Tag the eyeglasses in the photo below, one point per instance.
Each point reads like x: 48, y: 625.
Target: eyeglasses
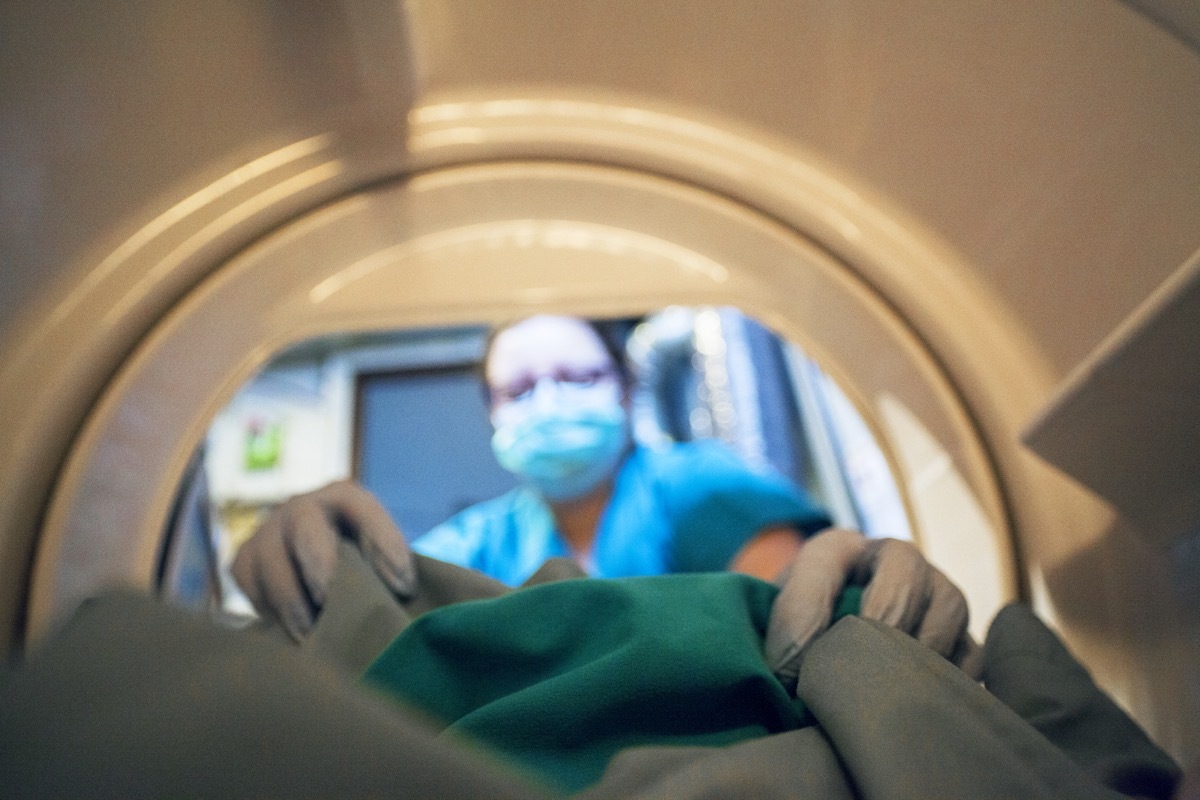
x: 565, y: 377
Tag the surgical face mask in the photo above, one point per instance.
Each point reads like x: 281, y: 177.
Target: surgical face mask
x: 564, y: 440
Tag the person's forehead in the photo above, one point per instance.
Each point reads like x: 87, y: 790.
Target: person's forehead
x: 542, y: 344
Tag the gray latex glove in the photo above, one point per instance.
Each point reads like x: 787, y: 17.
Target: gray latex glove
x: 286, y: 567
x: 903, y: 590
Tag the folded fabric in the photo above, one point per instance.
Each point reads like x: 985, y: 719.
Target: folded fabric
x: 136, y: 699
x: 1030, y: 670
x: 560, y: 677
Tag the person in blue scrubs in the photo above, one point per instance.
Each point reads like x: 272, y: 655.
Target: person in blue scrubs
x: 558, y: 401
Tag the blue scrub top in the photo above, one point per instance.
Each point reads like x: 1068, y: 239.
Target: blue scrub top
x: 680, y: 508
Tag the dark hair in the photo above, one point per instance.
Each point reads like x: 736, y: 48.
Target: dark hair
x: 612, y: 334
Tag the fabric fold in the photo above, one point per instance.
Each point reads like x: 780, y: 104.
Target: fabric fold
x: 560, y: 677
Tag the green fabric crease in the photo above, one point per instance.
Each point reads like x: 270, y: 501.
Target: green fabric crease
x: 136, y: 699
x: 559, y: 678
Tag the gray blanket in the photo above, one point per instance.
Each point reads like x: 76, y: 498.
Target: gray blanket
x: 134, y: 698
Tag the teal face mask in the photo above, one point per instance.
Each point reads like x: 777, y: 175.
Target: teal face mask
x: 564, y: 451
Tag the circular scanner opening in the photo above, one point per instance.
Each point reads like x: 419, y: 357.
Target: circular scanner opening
x: 403, y: 413
x: 481, y: 244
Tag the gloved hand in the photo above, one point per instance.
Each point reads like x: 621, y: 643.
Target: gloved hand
x: 286, y: 567
x: 903, y: 590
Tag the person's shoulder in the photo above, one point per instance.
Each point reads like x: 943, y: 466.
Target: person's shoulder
x: 493, y: 511
x: 467, y: 536
x: 679, y: 460
x: 695, y: 477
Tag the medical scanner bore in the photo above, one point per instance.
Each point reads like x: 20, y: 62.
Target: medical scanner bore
x: 402, y: 413
x: 949, y: 207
